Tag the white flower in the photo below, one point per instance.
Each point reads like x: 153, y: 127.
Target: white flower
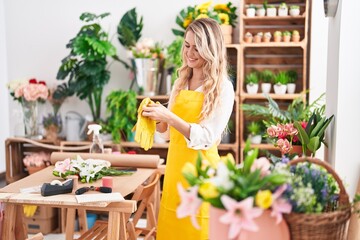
x: 12, y: 85
x: 222, y: 177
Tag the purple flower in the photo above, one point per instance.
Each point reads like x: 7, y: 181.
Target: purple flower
x: 285, y: 159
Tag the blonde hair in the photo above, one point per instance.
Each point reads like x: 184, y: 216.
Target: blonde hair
x: 209, y: 42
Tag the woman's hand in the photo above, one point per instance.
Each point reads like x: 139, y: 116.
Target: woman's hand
x: 156, y: 112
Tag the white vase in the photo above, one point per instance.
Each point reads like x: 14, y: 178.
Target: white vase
x: 255, y: 139
x: 282, y: 12
x: 291, y: 88
x: 250, y: 12
x: 279, y: 88
x: 271, y: 12
x: 252, y: 88
x: 146, y: 75
x: 260, y: 12
x: 30, y: 111
x: 265, y: 87
x: 294, y: 12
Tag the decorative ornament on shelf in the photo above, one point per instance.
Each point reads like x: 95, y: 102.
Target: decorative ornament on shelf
x: 29, y: 93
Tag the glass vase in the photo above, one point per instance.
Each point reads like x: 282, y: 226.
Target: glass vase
x: 30, y: 109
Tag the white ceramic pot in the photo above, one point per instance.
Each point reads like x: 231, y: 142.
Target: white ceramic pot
x: 255, y: 139
x: 265, y: 87
x: 280, y: 88
x: 260, y: 12
x: 282, y: 12
x: 294, y: 12
x: 291, y: 88
x: 271, y: 12
x: 252, y: 88
x: 250, y: 12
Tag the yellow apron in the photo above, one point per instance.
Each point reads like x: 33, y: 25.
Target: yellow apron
x: 187, y: 105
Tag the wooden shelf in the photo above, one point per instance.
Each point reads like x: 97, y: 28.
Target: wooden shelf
x: 277, y: 18
x: 272, y: 95
x: 227, y: 146
x: 274, y: 44
x: 157, y: 97
x: 237, y: 46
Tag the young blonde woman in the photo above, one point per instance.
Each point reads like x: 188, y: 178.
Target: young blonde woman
x: 200, y: 106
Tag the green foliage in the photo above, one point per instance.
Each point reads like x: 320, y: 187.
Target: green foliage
x: 86, y: 63
x: 122, y: 108
x: 266, y: 76
x: 185, y: 15
x: 292, y: 76
x: 313, y: 135
x: 281, y: 78
x: 129, y: 29
x: 294, y: 7
x: 252, y: 78
x: 254, y: 128
x: 286, y: 33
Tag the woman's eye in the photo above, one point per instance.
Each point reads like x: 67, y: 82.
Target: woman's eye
x: 196, y: 50
x: 187, y: 46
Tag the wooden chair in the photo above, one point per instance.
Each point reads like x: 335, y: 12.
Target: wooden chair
x: 143, y: 196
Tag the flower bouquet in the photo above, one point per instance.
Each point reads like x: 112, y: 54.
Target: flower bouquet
x: 88, y: 170
x: 243, y: 191
x: 36, y: 161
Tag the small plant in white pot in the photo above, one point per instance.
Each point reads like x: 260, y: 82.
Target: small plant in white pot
x: 283, y: 10
x: 250, y: 10
x: 292, y: 78
x: 270, y: 11
x: 280, y: 81
x: 267, y: 77
x: 260, y: 11
x: 277, y: 36
x: 294, y: 10
x: 254, y: 130
x: 252, y: 83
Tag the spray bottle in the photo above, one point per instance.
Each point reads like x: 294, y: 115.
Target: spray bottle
x: 96, y: 146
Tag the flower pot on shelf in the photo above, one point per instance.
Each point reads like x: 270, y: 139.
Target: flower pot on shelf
x: 227, y: 33
x: 250, y: 12
x: 271, y: 12
x: 291, y: 88
x: 267, y: 228
x: 265, y: 87
x: 260, y: 12
x: 294, y: 12
x: 252, y: 88
x: 255, y: 139
x: 280, y: 88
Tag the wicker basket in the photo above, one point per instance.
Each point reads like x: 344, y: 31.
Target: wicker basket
x: 321, y: 226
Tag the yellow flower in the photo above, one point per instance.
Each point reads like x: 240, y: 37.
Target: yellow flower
x: 224, y: 18
x: 187, y: 21
x: 229, y: 157
x: 221, y: 7
x: 264, y: 199
x: 208, y: 190
x: 204, y: 7
x: 202, y: 16
x: 189, y: 168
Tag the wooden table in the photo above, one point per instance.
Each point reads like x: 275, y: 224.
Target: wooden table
x: 14, y: 228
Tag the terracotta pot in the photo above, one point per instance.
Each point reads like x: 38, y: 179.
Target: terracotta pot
x: 32, y: 169
x: 277, y: 38
x: 297, y: 149
x: 268, y: 229
x: 52, y: 133
x: 227, y: 33
x: 295, y: 38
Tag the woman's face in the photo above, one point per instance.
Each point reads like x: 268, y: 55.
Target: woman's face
x: 192, y: 56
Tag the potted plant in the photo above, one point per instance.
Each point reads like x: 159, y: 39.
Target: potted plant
x: 294, y: 10
x: 267, y: 77
x: 254, y: 130
x: 283, y: 10
x: 292, y: 78
x: 250, y: 10
x: 260, y: 11
x: 173, y: 59
x: 267, y: 37
x: 280, y: 81
x: 270, y: 11
x: 295, y: 36
x: 258, y: 37
x: 248, y: 37
x: 286, y: 36
x: 122, y: 108
x: 252, y: 81
x: 86, y: 64
x: 277, y: 36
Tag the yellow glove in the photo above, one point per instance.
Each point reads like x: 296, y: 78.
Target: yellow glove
x: 29, y: 210
x: 145, y: 127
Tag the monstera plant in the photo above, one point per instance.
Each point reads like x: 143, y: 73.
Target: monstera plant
x: 86, y: 64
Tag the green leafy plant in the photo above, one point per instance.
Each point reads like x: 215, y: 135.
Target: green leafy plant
x: 254, y: 128
x: 86, y: 63
x: 292, y: 76
x: 313, y: 135
x: 286, y: 33
x: 267, y: 76
x: 281, y: 78
x: 277, y: 33
x: 252, y: 78
x: 129, y: 29
x: 122, y: 108
x: 294, y: 7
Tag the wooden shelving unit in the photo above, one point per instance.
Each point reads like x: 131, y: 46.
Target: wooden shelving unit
x: 275, y: 56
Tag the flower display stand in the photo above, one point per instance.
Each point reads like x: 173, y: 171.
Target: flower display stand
x: 268, y: 229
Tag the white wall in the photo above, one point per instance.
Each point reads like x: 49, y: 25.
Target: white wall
x: 343, y: 92
x: 4, y: 100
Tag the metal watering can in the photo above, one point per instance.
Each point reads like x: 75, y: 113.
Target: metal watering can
x: 75, y: 126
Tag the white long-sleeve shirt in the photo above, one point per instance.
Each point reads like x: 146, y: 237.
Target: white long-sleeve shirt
x: 205, y: 134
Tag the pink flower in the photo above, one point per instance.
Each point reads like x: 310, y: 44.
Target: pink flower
x: 189, y: 205
x: 279, y: 205
x: 272, y: 131
x: 62, y: 166
x: 290, y: 129
x: 284, y: 145
x: 263, y: 165
x: 240, y: 215
x: 303, y: 124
